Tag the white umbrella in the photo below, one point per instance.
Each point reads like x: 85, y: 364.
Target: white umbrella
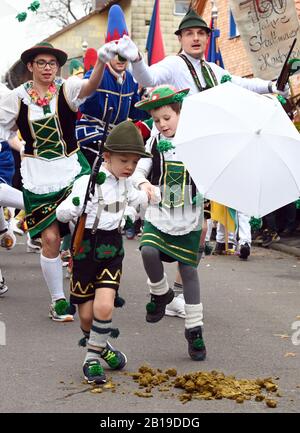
x: 6, y: 9
x: 240, y: 148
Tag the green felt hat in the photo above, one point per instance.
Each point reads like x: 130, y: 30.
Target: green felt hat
x: 76, y: 67
x: 44, y: 48
x: 190, y: 20
x: 160, y: 96
x: 126, y: 138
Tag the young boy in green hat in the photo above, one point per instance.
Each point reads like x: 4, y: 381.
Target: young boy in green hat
x: 97, y: 267
x: 172, y: 228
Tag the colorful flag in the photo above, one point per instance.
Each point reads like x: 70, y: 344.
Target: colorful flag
x: 224, y: 215
x: 154, y: 44
x: 213, y: 53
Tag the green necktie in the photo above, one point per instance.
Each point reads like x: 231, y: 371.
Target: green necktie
x: 206, y: 75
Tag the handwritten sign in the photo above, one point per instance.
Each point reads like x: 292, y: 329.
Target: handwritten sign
x: 267, y: 29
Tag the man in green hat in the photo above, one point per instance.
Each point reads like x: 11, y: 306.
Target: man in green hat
x: 97, y: 267
x: 188, y: 69
x: 44, y: 111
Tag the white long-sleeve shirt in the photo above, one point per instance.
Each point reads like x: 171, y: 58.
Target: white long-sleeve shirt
x: 173, y: 70
x: 114, y: 191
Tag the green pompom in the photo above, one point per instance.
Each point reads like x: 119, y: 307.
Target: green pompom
x: 119, y: 302
x: 34, y: 6
x: 164, y: 146
x: 100, y: 178
x: 114, y: 332
x: 255, y: 223
x: 21, y: 16
x: 62, y: 307
x: 198, y: 343
x: 297, y: 203
x: 226, y: 78
x: 76, y: 201
x: 150, y: 307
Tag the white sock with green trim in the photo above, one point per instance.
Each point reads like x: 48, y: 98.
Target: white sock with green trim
x: 53, y: 274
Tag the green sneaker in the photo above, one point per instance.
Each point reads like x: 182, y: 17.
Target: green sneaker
x: 115, y: 359
x: 93, y: 371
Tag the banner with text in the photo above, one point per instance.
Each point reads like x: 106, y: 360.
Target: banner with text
x: 267, y: 29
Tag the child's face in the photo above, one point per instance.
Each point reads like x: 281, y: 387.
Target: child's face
x: 166, y: 120
x: 121, y: 164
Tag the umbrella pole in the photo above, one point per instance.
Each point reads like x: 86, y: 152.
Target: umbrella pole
x: 226, y: 230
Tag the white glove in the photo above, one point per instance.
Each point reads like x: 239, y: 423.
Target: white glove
x: 131, y: 213
x: 107, y: 52
x: 285, y: 93
x: 127, y: 49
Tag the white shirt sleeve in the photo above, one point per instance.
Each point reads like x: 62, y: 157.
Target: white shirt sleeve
x: 73, y: 86
x: 63, y: 211
x: 136, y: 197
x: 159, y: 73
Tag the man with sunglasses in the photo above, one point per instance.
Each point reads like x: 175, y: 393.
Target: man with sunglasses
x: 44, y: 110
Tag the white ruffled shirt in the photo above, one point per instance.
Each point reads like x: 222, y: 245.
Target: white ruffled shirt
x: 41, y: 176
x: 181, y: 220
x: 113, y: 190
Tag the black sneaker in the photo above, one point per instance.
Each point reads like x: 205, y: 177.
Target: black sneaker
x: 157, y: 306
x: 93, y: 371
x: 196, y: 347
x: 244, y: 251
x: 219, y: 248
x: 115, y: 359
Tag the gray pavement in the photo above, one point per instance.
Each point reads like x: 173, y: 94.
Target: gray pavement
x: 249, y: 310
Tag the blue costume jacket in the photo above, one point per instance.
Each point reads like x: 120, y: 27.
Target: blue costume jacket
x: 110, y: 93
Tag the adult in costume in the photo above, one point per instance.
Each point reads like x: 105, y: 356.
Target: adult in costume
x: 117, y: 90
x: 44, y: 110
x: 172, y: 228
x: 188, y: 69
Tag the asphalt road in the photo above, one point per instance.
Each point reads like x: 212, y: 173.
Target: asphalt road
x: 249, y: 309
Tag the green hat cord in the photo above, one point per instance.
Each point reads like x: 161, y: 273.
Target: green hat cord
x: 33, y: 7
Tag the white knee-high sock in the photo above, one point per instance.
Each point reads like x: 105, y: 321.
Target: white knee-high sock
x: 53, y: 274
x: 11, y: 197
x: 3, y: 222
x: 159, y: 288
x: 193, y: 315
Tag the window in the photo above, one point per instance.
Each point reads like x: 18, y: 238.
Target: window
x: 181, y: 7
x: 233, y: 30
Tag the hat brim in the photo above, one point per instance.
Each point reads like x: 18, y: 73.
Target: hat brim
x: 151, y: 104
x: 127, y: 149
x: 207, y: 29
x: 28, y: 55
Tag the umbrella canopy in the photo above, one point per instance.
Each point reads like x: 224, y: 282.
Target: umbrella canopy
x: 240, y: 148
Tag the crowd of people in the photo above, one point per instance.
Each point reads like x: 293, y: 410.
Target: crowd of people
x: 58, y: 148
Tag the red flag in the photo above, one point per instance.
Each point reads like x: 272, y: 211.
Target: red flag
x: 154, y: 44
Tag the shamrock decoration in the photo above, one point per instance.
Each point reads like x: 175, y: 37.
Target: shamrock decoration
x: 84, y: 249
x: 33, y: 7
x: 226, y: 78
x: 255, y: 223
x: 106, y: 251
x: 21, y: 16
x: 164, y: 146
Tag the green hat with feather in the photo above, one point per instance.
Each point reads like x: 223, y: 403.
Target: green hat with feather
x: 160, y: 96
